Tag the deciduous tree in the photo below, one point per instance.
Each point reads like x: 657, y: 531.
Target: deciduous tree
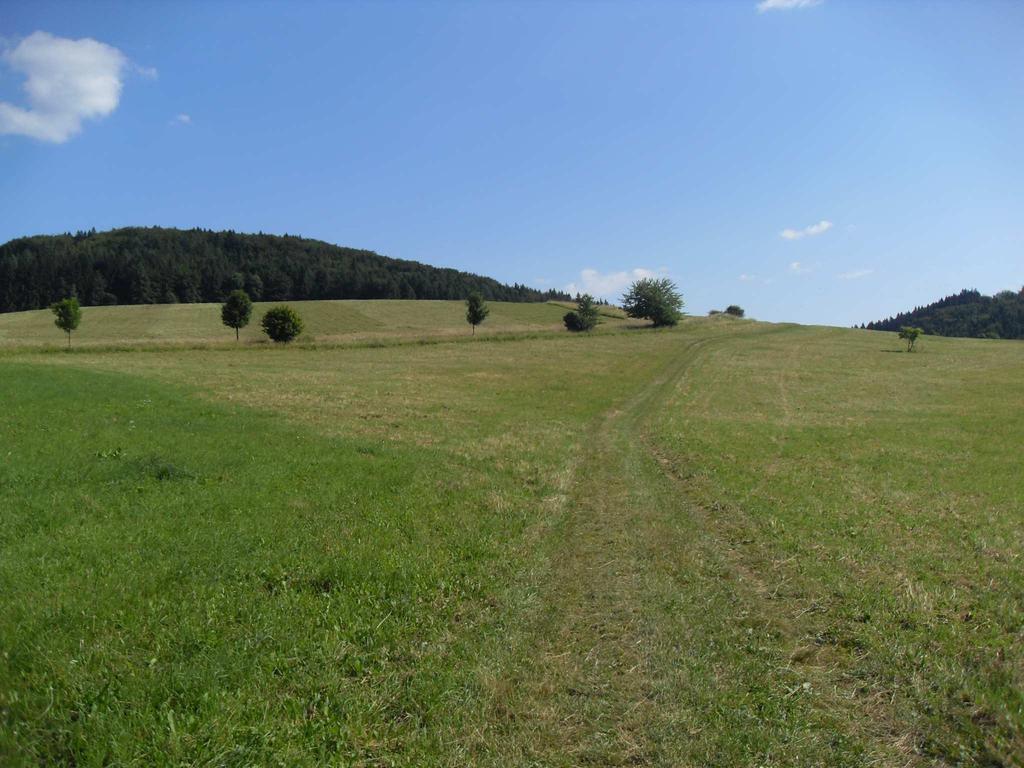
x: 237, y: 311
x: 657, y: 300
x: 909, y: 334
x: 67, y: 314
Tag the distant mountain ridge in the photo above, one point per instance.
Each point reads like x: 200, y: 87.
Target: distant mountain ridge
x: 968, y: 313
x: 154, y: 265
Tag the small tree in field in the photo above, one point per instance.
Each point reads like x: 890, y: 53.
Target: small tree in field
x: 236, y: 310
x: 476, y: 310
x: 67, y: 314
x: 281, y: 323
x: 585, y: 316
x: 657, y: 300
x: 735, y: 310
x: 909, y: 334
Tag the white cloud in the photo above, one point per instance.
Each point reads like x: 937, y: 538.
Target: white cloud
x: 747, y: 278
x: 609, y: 285
x: 150, y: 73
x: 855, y: 274
x: 799, y: 268
x: 182, y: 119
x: 811, y: 231
x: 66, y: 82
x: 786, y: 5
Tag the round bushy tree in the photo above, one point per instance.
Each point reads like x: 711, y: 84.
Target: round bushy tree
x: 236, y: 310
x: 657, y: 300
x: 281, y: 323
x: 735, y: 310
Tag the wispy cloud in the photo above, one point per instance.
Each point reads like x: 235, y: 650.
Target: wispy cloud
x: 745, y: 278
x: 66, y: 82
x: 609, y: 285
x: 150, y: 73
x: 799, y: 268
x: 813, y: 230
x: 855, y: 274
x: 182, y: 119
x: 786, y: 5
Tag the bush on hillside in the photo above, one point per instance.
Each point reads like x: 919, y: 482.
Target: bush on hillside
x: 909, y: 334
x: 281, y: 323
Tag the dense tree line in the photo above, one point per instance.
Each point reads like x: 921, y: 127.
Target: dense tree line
x: 157, y: 265
x: 968, y: 313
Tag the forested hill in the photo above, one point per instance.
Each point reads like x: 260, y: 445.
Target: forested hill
x: 157, y: 265
x: 968, y: 313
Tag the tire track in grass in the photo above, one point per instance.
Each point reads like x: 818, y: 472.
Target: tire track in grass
x: 642, y: 648
x: 590, y: 695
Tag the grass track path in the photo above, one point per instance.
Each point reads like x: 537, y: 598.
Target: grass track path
x: 597, y: 698
x: 620, y: 665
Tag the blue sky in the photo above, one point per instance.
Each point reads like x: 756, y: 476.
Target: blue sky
x: 832, y: 162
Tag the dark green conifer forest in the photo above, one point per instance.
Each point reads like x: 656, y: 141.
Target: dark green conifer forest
x: 156, y: 265
x: 968, y: 313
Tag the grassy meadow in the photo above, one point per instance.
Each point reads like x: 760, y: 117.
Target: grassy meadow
x: 726, y: 544
x: 325, y: 321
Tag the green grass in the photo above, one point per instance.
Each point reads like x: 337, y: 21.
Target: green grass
x: 726, y: 544
x: 177, y: 324
x: 875, y: 502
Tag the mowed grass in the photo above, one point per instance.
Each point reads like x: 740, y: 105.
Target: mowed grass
x: 874, y: 503
x: 185, y: 324
x: 727, y: 544
x: 192, y: 581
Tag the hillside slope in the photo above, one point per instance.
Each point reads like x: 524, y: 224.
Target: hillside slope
x: 164, y: 266
x: 968, y: 313
x: 324, y: 321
